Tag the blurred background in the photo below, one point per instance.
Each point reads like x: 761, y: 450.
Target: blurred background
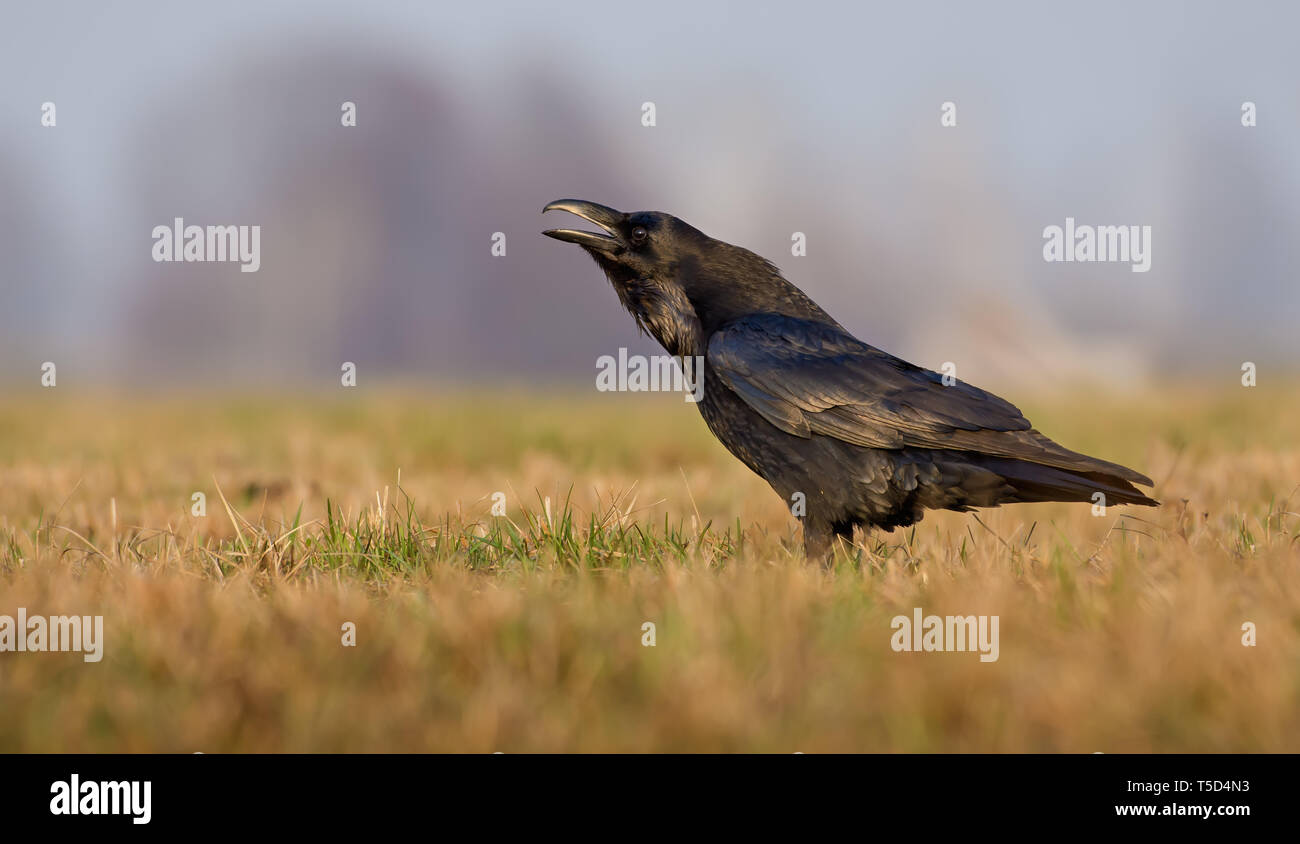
x: 771, y: 119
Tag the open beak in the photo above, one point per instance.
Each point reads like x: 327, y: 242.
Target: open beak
x: 610, y: 242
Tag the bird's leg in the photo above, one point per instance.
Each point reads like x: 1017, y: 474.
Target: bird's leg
x: 817, y: 542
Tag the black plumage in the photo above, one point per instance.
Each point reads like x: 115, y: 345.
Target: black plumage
x: 867, y: 438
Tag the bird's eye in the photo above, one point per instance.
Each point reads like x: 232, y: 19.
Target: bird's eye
x: 639, y: 234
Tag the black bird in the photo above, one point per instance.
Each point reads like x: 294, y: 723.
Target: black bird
x: 867, y: 438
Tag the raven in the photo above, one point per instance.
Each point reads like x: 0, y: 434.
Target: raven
x: 855, y: 435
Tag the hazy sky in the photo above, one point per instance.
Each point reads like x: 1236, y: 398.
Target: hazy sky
x: 771, y: 118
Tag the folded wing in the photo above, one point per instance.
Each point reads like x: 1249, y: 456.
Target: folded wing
x: 811, y: 378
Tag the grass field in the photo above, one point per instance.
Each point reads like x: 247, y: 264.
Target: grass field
x: 524, y: 632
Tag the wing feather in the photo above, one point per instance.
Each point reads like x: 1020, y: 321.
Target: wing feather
x: 812, y: 378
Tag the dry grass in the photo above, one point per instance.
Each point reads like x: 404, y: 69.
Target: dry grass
x: 523, y: 633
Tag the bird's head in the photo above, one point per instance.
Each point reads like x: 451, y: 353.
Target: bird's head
x: 678, y: 282
x: 642, y: 254
x: 636, y: 245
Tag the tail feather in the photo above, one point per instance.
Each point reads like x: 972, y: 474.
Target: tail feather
x: 1033, y: 447
x: 1037, y: 482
